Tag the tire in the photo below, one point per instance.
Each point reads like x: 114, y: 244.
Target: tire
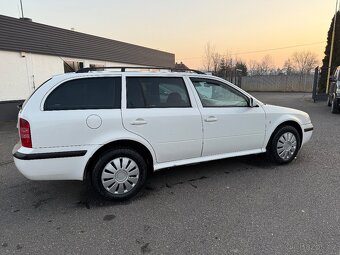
x: 335, y: 106
x: 284, y: 145
x: 119, y: 174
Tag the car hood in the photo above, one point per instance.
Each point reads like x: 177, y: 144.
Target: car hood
x: 273, y: 110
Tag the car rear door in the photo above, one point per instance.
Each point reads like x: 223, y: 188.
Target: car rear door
x: 163, y: 111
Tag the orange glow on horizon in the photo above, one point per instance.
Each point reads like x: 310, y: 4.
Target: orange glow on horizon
x: 184, y: 27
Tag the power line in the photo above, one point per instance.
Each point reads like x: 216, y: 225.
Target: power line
x: 266, y: 50
x: 281, y: 48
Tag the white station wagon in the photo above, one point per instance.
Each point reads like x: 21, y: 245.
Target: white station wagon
x: 112, y: 128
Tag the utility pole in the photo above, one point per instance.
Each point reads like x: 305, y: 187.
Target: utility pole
x: 332, y: 48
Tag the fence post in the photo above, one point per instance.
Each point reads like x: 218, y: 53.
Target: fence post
x: 315, y: 83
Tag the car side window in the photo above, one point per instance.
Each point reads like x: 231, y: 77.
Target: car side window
x: 86, y: 93
x: 156, y: 92
x: 216, y: 94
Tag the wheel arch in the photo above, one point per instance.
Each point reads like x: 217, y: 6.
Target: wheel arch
x: 292, y: 123
x: 126, y: 143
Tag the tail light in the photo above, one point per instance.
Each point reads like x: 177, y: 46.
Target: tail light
x: 25, y: 133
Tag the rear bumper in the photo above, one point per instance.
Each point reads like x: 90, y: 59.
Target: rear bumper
x: 48, y: 155
x: 61, y: 165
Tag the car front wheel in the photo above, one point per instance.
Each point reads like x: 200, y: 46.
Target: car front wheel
x: 284, y: 145
x: 119, y: 174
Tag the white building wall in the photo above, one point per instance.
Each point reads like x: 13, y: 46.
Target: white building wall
x: 21, y: 72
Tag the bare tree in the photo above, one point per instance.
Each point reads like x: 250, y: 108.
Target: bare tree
x: 265, y: 66
x: 252, y: 67
x: 216, y: 59
x: 289, y: 67
x: 228, y: 59
x: 207, y: 60
x: 304, y: 61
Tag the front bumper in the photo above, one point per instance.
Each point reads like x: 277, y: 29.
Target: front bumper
x: 307, y: 132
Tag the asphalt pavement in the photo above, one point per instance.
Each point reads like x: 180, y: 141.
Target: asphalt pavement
x: 242, y: 205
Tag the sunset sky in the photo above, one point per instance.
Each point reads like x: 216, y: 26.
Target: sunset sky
x: 184, y: 27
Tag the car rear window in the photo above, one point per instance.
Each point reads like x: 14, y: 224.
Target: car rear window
x: 86, y: 93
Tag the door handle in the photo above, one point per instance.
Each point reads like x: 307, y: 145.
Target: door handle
x: 138, y: 122
x: 211, y: 119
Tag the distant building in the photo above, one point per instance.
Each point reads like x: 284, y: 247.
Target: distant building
x: 31, y: 53
x: 181, y: 66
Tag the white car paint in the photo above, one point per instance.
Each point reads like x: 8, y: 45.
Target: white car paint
x: 233, y: 129
x: 173, y: 136
x: 276, y: 115
x: 173, y: 133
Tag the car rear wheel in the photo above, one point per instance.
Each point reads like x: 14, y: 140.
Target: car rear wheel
x: 119, y: 174
x: 284, y: 145
x: 335, y: 106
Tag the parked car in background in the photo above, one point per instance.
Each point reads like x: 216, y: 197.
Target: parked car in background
x: 334, y: 92
x: 112, y: 128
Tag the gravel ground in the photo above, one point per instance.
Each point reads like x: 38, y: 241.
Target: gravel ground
x: 242, y: 205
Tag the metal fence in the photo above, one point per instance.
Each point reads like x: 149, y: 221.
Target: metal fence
x: 278, y: 83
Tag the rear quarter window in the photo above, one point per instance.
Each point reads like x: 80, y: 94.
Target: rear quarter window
x: 86, y: 93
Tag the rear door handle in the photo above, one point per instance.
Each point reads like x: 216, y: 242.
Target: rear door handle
x: 138, y: 122
x: 211, y: 119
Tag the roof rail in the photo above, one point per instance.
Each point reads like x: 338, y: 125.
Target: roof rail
x: 123, y: 69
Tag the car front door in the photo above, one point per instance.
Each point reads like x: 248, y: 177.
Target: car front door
x: 164, y: 113
x: 230, y: 125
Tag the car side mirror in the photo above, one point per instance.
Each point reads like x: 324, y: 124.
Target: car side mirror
x: 251, y: 102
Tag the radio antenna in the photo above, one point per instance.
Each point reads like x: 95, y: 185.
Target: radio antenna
x: 22, y: 9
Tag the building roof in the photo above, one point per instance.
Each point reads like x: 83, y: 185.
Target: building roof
x: 24, y: 35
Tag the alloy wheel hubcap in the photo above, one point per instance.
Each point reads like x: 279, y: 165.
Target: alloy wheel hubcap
x: 120, y: 175
x: 286, y: 146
